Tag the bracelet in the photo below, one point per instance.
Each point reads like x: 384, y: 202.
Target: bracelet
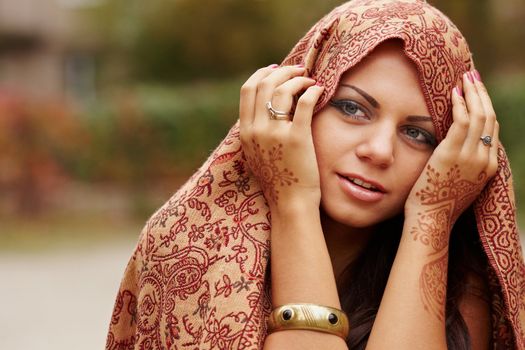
x: 310, y: 317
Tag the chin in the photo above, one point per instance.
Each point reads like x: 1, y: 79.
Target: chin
x: 360, y: 218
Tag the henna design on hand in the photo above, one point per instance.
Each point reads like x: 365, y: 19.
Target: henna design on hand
x: 264, y: 164
x: 444, y: 199
x: 453, y: 189
x: 433, y: 227
x: 433, y: 285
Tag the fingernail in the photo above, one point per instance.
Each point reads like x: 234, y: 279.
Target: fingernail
x: 470, y: 77
x: 275, y: 65
x: 476, y: 75
x: 300, y: 65
x: 458, y: 91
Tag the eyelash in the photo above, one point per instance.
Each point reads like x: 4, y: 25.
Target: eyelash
x: 429, y: 139
x: 342, y: 105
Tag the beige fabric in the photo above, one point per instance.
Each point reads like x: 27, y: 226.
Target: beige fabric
x: 198, y: 277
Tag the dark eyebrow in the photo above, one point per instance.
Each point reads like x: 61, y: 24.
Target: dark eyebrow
x: 369, y: 98
x: 419, y: 118
x: 373, y: 102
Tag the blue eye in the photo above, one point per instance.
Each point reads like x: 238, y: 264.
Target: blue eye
x: 420, y: 136
x: 350, y: 108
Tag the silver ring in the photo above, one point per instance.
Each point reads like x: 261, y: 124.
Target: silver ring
x: 276, y: 115
x: 487, y: 140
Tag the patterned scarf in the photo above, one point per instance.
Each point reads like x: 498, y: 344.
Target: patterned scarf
x: 198, y: 277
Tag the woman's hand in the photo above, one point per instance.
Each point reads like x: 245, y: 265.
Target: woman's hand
x: 281, y: 153
x: 462, y: 164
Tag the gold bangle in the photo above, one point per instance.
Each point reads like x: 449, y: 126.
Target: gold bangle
x: 310, y: 317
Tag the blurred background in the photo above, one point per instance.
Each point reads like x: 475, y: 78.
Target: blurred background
x: 107, y: 106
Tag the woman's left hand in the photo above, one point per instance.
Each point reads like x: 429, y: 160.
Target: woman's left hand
x: 464, y: 161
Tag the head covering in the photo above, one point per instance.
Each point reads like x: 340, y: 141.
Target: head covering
x: 198, y: 276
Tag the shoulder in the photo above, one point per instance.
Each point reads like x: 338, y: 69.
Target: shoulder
x: 474, y: 307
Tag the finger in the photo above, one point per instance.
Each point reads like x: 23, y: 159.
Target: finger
x: 488, y: 130
x: 458, y: 130
x: 283, y: 95
x: 305, y: 107
x: 493, y: 156
x: 266, y: 87
x: 476, y: 113
x: 248, y: 93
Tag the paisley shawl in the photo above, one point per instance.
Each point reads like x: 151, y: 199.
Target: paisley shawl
x: 198, y: 277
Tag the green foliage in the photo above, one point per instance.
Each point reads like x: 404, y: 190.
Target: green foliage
x: 158, y: 133
x: 187, y: 39
x: 508, y: 96
x: 174, y: 41
x: 140, y: 138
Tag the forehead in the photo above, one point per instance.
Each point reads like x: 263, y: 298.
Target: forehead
x: 384, y: 61
x: 344, y: 37
x: 388, y: 73
x: 389, y: 81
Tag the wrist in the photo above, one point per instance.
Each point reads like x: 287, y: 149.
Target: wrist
x: 428, y: 225
x: 294, y: 210
x: 411, y: 211
x: 413, y: 204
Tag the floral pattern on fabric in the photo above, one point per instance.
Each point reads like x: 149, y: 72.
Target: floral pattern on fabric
x: 199, y: 276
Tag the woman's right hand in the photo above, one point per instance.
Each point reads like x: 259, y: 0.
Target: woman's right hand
x: 280, y: 153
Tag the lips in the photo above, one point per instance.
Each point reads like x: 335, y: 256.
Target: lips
x: 361, y: 189
x: 365, y: 183
x: 361, y: 183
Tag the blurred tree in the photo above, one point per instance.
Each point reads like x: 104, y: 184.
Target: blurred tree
x: 181, y: 40
x: 34, y: 152
x: 184, y: 40
x: 493, y: 29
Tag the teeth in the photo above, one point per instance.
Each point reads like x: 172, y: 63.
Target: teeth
x: 363, y: 184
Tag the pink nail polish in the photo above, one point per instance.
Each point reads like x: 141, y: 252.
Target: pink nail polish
x: 300, y: 65
x: 275, y: 65
x: 458, y: 91
x: 470, y: 77
x: 476, y: 75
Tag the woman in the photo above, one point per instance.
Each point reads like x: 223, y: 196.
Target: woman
x: 390, y: 199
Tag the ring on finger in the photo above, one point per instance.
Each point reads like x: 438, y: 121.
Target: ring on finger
x: 487, y: 140
x: 275, y: 114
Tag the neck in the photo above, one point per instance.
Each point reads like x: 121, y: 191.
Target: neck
x: 344, y: 243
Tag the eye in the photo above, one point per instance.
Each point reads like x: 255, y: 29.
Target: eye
x: 350, y: 108
x: 420, y: 135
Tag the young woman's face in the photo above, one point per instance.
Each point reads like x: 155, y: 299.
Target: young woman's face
x: 376, y: 131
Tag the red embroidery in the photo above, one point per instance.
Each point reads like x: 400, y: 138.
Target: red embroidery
x: 214, y: 232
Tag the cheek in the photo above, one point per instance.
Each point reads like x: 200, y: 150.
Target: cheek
x: 409, y: 177
x: 330, y: 151
x: 321, y: 142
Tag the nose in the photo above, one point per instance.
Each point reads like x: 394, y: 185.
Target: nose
x: 377, y: 145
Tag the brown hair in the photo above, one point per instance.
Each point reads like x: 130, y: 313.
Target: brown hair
x: 364, y: 280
